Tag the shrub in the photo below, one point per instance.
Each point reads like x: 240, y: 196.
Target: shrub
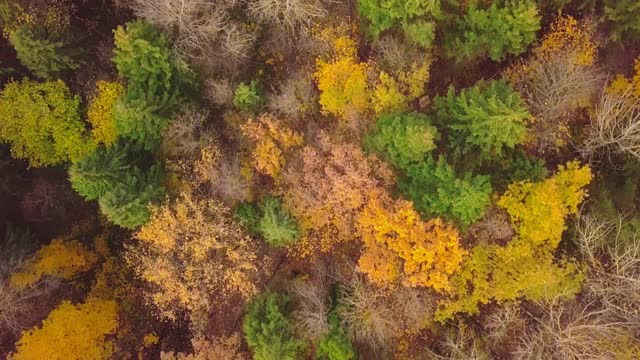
x: 489, y: 117
x: 71, y: 330
x: 436, y: 191
x: 100, y: 111
x: 623, y: 14
x: 248, y: 97
x: 267, y: 330
x: 275, y: 224
x: 60, y: 258
x: 417, y: 18
x: 403, y: 138
x: 45, y: 55
x: 42, y: 123
x: 398, y: 245
x: 495, y: 32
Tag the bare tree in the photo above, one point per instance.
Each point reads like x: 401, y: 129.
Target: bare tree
x: 312, y: 308
x: 615, y: 126
x: 286, y: 14
x: 196, y: 24
x: 182, y: 137
x: 572, y: 331
x: 614, y: 283
x: 366, y: 311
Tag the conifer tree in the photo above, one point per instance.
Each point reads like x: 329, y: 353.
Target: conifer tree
x: 496, y: 32
x: 45, y: 55
x: 487, y: 117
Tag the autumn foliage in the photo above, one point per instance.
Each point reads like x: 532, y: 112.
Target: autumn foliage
x: 271, y: 140
x: 399, y: 245
x: 72, y: 332
x: 190, y: 251
x: 326, y: 193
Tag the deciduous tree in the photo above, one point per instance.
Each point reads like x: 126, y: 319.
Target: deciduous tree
x: 42, y: 123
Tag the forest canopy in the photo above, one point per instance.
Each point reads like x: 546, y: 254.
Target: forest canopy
x: 319, y: 179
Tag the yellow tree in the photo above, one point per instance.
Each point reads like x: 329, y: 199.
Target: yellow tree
x: 342, y: 80
x: 526, y: 266
x: 71, y: 332
x: 100, y: 111
x: 61, y: 258
x: 398, y: 244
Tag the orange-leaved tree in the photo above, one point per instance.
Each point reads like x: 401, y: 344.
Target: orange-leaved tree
x: 271, y: 140
x: 195, y: 256
x: 328, y: 189
x: 399, y: 245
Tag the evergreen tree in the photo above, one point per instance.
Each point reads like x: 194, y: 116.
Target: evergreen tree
x: 496, y: 32
x: 486, y: 117
x: 435, y: 190
x: 118, y: 178
x: 46, y: 55
x: 403, y: 138
x: 268, y: 332
x: 156, y: 82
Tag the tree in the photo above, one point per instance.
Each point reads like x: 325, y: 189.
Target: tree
x: 122, y: 181
x: 100, y: 111
x: 560, y: 78
x: 248, y: 97
x: 416, y: 18
x: 435, y: 190
x: 72, y: 332
x: 271, y: 139
x: 488, y: 117
x: 403, y: 138
x: 335, y: 345
x: 156, y: 82
x: 342, y: 81
x: 398, y: 245
x: 623, y: 14
x: 42, y: 123
x: 496, y: 32
x: 287, y: 14
x: 46, y: 55
x: 267, y: 330
x: 61, y: 258
x: 615, y: 126
x: 526, y: 266
x: 275, y: 224
x: 196, y: 257
x: 327, y: 190
x: 395, y: 91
